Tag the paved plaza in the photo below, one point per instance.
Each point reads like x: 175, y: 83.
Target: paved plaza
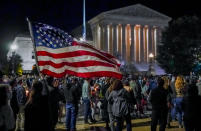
x: 142, y: 124
x: 137, y: 125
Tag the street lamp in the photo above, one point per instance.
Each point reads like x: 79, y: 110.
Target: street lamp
x: 151, y: 67
x: 13, y: 48
x: 151, y: 56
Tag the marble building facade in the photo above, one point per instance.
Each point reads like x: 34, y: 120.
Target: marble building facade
x: 132, y: 32
x: 25, y: 50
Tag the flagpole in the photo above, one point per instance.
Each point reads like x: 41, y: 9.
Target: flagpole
x: 32, y: 38
x: 84, y: 22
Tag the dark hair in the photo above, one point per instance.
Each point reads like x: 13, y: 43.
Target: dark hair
x: 126, y: 83
x: 117, y: 85
x: 38, y: 86
x: 3, y: 95
x: 49, y: 80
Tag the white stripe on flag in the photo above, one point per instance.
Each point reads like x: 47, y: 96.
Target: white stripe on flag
x: 83, y: 58
x: 79, y: 69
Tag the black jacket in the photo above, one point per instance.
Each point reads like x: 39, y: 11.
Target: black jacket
x: 159, y: 98
x: 72, y: 93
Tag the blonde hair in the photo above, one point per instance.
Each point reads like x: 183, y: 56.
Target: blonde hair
x: 179, y: 83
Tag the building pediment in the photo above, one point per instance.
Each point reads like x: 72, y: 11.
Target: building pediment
x: 137, y: 10
x: 133, y: 12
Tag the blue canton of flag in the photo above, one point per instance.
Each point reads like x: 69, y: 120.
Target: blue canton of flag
x: 51, y: 37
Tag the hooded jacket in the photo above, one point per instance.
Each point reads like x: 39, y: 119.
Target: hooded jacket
x: 120, y: 100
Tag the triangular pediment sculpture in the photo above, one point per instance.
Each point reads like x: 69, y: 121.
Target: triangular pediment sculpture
x: 137, y: 10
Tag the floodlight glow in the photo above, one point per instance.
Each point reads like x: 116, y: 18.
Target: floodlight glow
x: 151, y: 55
x: 13, y: 47
x: 82, y: 39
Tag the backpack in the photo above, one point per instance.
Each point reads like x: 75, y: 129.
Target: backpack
x: 120, y: 107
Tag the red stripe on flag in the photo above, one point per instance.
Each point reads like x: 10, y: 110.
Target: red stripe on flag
x: 75, y: 64
x: 84, y: 75
x: 91, y: 47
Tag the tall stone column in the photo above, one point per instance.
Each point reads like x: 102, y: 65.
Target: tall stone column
x: 114, y: 40
x: 123, y: 42
x: 110, y: 41
x: 155, y: 41
x: 150, y: 42
x: 119, y: 39
x: 94, y: 32
x: 98, y: 37
x: 132, y: 49
x: 101, y: 36
x: 141, y: 43
x: 105, y: 43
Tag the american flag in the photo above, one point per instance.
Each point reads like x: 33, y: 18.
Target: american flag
x: 58, y: 54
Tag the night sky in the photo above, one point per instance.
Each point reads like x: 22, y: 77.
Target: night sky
x: 67, y: 14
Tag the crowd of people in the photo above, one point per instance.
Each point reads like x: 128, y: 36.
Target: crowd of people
x: 32, y: 103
